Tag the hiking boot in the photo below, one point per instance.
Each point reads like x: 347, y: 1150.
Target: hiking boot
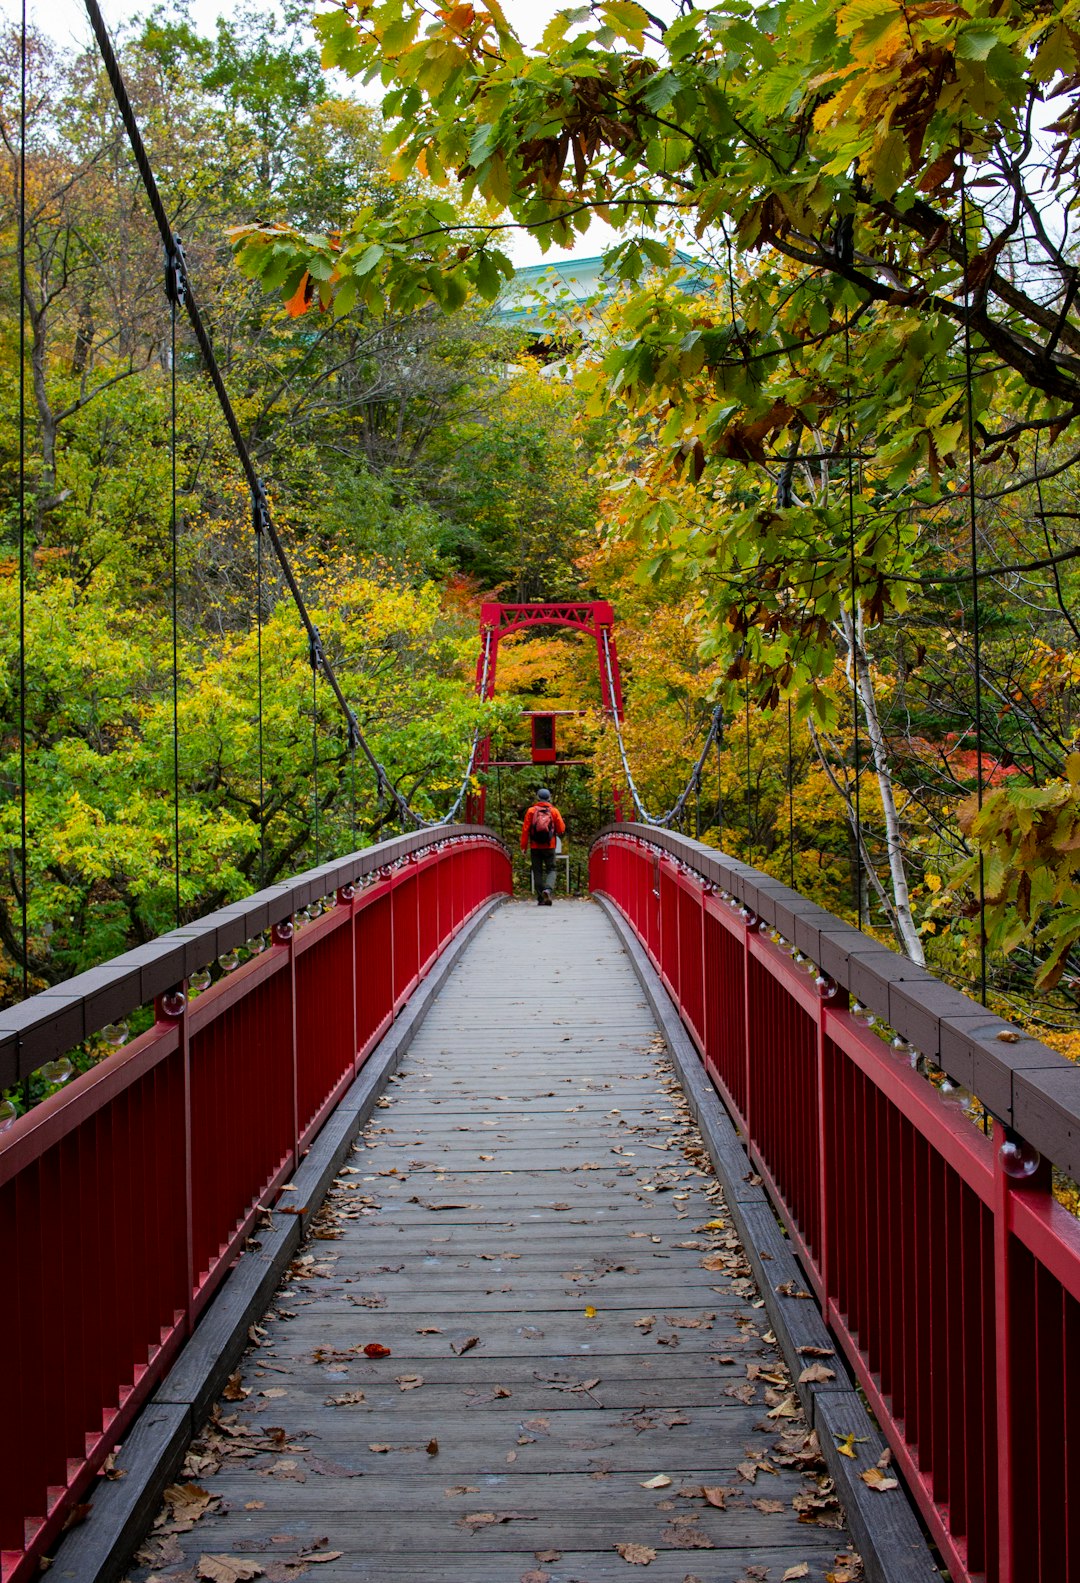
x: 545, y: 900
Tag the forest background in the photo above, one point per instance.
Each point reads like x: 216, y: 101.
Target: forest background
x: 419, y: 457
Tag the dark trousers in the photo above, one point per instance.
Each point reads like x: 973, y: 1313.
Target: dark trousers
x: 543, y: 868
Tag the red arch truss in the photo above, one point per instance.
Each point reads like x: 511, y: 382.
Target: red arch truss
x: 499, y: 620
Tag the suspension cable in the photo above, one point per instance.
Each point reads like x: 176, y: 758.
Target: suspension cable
x: 976, y: 625
x: 23, y: 828
x: 175, y: 287
x: 384, y: 784
x: 678, y: 806
x: 259, y: 685
x: 856, y: 745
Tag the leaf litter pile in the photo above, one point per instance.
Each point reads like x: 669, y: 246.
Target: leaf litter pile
x: 571, y: 1377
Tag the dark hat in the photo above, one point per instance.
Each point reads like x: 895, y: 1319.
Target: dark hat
x: 543, y: 795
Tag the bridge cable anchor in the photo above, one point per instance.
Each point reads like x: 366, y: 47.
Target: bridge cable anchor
x: 176, y: 283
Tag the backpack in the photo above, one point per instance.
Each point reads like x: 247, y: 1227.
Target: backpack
x: 542, y: 831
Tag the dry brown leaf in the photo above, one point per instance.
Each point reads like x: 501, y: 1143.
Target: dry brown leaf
x: 548, y: 1555
x: 378, y: 1447
x: 660, y: 1482
x: 878, y: 1480
x: 765, y: 1505
x: 432, y: 1447
x: 227, y: 1569
x: 409, y: 1382
x: 800, y: 1571
x: 465, y: 1345
x: 715, y: 1494
x: 637, y: 1555
x: 322, y: 1556
x: 816, y: 1374
x: 274, y: 1391
x: 234, y: 1391
x: 346, y: 1399
x: 534, y: 1575
x: 747, y: 1471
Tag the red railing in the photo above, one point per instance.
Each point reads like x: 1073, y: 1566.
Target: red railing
x: 125, y: 1197
x: 942, y: 1261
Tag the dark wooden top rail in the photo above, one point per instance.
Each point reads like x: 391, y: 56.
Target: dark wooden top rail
x: 1019, y: 1079
x: 47, y: 1025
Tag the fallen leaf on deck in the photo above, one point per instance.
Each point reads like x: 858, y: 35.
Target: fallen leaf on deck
x: 429, y: 1330
x: 409, y: 1382
x: 322, y: 1556
x: 234, y: 1391
x: 801, y: 1571
x: 275, y: 1390
x: 500, y: 1391
x: 378, y: 1447
x: 715, y: 1494
x: 535, y: 1576
x: 660, y: 1482
x: 432, y: 1447
x: 748, y: 1471
x: 227, y: 1569
x: 687, y: 1539
x: 788, y: 1408
x: 346, y: 1399
x: 464, y: 1345
x: 878, y: 1480
x: 254, y: 1506
x: 590, y: 1311
x: 764, y: 1505
x: 815, y: 1373
x: 375, y: 1349
x: 846, y: 1444
x: 333, y: 1470
x: 463, y: 1489
x: 485, y: 1519
x: 816, y: 1352
x: 637, y: 1555
x: 548, y: 1555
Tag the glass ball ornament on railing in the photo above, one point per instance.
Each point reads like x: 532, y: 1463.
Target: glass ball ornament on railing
x: 863, y: 1014
x: 256, y: 945
x: 229, y: 961
x: 825, y: 987
x: 763, y: 928
x: 200, y: 980
x: 345, y: 894
x: 56, y: 1073
x: 8, y: 1115
x: 173, y: 1002
x: 115, y: 1034
x: 283, y: 932
x: 1019, y: 1159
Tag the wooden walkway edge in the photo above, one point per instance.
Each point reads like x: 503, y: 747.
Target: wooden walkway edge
x: 523, y: 1341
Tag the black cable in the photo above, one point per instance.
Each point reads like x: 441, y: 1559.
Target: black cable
x: 790, y: 802
x: 857, y: 746
x: 259, y: 667
x: 974, y: 557
x: 23, y: 822
x: 749, y: 808
x: 314, y: 657
x: 202, y: 337
x: 719, y: 788
x: 173, y: 286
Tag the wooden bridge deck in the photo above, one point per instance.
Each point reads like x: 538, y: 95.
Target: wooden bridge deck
x: 530, y: 1164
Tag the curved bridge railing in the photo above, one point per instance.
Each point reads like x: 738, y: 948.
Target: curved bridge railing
x: 125, y: 1196
x: 944, y: 1265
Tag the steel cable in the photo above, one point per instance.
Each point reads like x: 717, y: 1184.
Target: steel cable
x: 678, y: 806
x: 264, y: 522
x: 23, y: 820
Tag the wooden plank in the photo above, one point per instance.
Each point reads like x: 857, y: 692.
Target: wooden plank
x: 553, y: 1411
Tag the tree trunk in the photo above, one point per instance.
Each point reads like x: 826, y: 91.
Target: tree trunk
x: 864, y: 682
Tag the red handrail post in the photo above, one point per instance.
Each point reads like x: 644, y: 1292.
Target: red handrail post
x: 1006, y: 1189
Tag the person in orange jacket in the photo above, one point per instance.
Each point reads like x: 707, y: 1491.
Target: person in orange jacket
x: 540, y: 831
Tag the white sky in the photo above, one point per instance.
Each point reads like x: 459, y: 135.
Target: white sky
x: 66, y: 22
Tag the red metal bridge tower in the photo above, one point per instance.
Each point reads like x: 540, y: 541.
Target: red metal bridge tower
x: 498, y: 621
